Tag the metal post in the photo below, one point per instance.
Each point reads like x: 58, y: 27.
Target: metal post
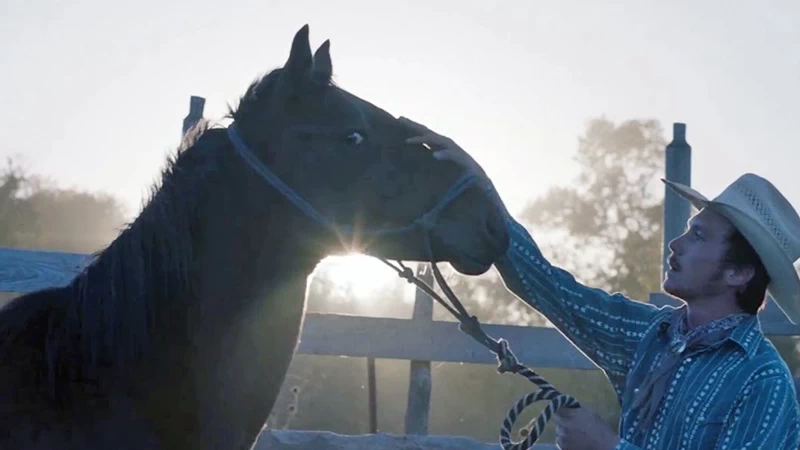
x: 678, y: 169
x: 196, y: 106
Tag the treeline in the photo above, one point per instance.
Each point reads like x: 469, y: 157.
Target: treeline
x: 36, y: 214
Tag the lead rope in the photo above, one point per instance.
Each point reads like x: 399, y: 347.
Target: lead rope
x: 507, y: 362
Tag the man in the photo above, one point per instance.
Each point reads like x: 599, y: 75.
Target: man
x: 701, y: 376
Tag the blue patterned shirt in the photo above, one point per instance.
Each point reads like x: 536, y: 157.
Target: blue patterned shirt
x: 736, y: 395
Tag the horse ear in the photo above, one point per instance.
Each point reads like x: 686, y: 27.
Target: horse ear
x: 322, y: 67
x: 298, y: 65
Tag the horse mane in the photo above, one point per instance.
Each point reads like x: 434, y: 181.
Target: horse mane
x: 114, y: 297
x: 108, y: 308
x: 104, y: 318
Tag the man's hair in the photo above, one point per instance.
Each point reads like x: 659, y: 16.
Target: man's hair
x: 740, y: 254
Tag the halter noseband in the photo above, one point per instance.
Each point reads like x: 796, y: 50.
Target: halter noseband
x: 467, y: 323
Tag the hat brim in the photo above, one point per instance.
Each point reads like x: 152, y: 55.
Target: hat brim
x: 784, y: 287
x: 695, y: 198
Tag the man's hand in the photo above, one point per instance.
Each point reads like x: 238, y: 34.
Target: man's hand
x: 443, y: 147
x: 583, y: 429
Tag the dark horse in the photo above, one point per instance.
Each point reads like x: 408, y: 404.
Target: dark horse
x: 179, y: 334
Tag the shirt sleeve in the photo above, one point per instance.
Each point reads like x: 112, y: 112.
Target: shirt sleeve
x: 625, y: 445
x: 606, y: 327
x: 765, y: 416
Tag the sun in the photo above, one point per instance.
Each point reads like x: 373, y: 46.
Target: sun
x: 361, y: 276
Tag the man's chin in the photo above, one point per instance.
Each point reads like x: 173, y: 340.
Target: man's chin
x: 669, y: 287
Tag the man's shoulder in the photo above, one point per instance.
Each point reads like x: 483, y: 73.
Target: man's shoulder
x: 767, y: 354
x: 660, y: 316
x: 765, y: 363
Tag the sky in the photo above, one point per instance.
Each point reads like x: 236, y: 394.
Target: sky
x: 95, y: 92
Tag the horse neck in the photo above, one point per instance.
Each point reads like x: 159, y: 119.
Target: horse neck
x: 181, y: 264
x: 236, y: 271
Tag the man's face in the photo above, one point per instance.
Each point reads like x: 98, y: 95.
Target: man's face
x: 696, y: 269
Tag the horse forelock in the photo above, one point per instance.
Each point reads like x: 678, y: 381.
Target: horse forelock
x: 269, y: 88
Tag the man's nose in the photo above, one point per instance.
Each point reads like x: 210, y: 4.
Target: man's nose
x: 673, y: 245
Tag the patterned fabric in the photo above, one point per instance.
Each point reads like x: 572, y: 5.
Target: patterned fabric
x: 738, y: 394
x: 652, y: 389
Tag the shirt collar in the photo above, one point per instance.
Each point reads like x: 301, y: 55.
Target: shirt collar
x: 747, y: 334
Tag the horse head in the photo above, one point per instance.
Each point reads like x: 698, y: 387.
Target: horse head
x: 348, y: 159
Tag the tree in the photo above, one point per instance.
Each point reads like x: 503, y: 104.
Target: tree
x: 605, y: 227
x: 75, y: 221
x: 35, y: 214
x: 18, y: 220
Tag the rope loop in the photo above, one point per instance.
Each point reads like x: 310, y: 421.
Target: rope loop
x: 534, y: 429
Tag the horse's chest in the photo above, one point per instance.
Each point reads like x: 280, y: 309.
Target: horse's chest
x: 219, y: 392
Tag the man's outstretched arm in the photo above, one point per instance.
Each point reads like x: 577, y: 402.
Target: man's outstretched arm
x: 606, y: 327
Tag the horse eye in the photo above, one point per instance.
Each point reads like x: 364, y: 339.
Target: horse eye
x: 354, y: 138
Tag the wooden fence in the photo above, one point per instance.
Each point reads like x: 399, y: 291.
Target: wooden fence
x: 420, y: 339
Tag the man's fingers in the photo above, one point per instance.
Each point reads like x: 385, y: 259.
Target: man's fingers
x: 558, y: 420
x: 414, y: 125
x: 443, y: 155
x: 426, y: 136
x: 418, y: 139
x: 431, y: 140
x: 565, y: 413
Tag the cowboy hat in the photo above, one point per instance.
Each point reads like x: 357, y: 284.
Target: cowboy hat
x: 770, y: 224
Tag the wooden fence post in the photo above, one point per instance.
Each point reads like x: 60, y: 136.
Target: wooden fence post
x: 419, y: 376
x: 196, y: 106
x: 372, y: 396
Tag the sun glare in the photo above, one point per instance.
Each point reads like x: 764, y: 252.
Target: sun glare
x: 361, y: 276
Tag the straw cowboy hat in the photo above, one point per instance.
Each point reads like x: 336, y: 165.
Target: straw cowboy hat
x: 769, y: 222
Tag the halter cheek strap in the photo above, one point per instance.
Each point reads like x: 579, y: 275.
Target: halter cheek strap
x: 467, y: 323
x: 426, y: 222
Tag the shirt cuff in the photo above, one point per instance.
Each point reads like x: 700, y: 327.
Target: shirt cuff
x: 625, y: 445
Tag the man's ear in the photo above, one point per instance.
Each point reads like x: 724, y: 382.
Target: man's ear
x: 739, y: 276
